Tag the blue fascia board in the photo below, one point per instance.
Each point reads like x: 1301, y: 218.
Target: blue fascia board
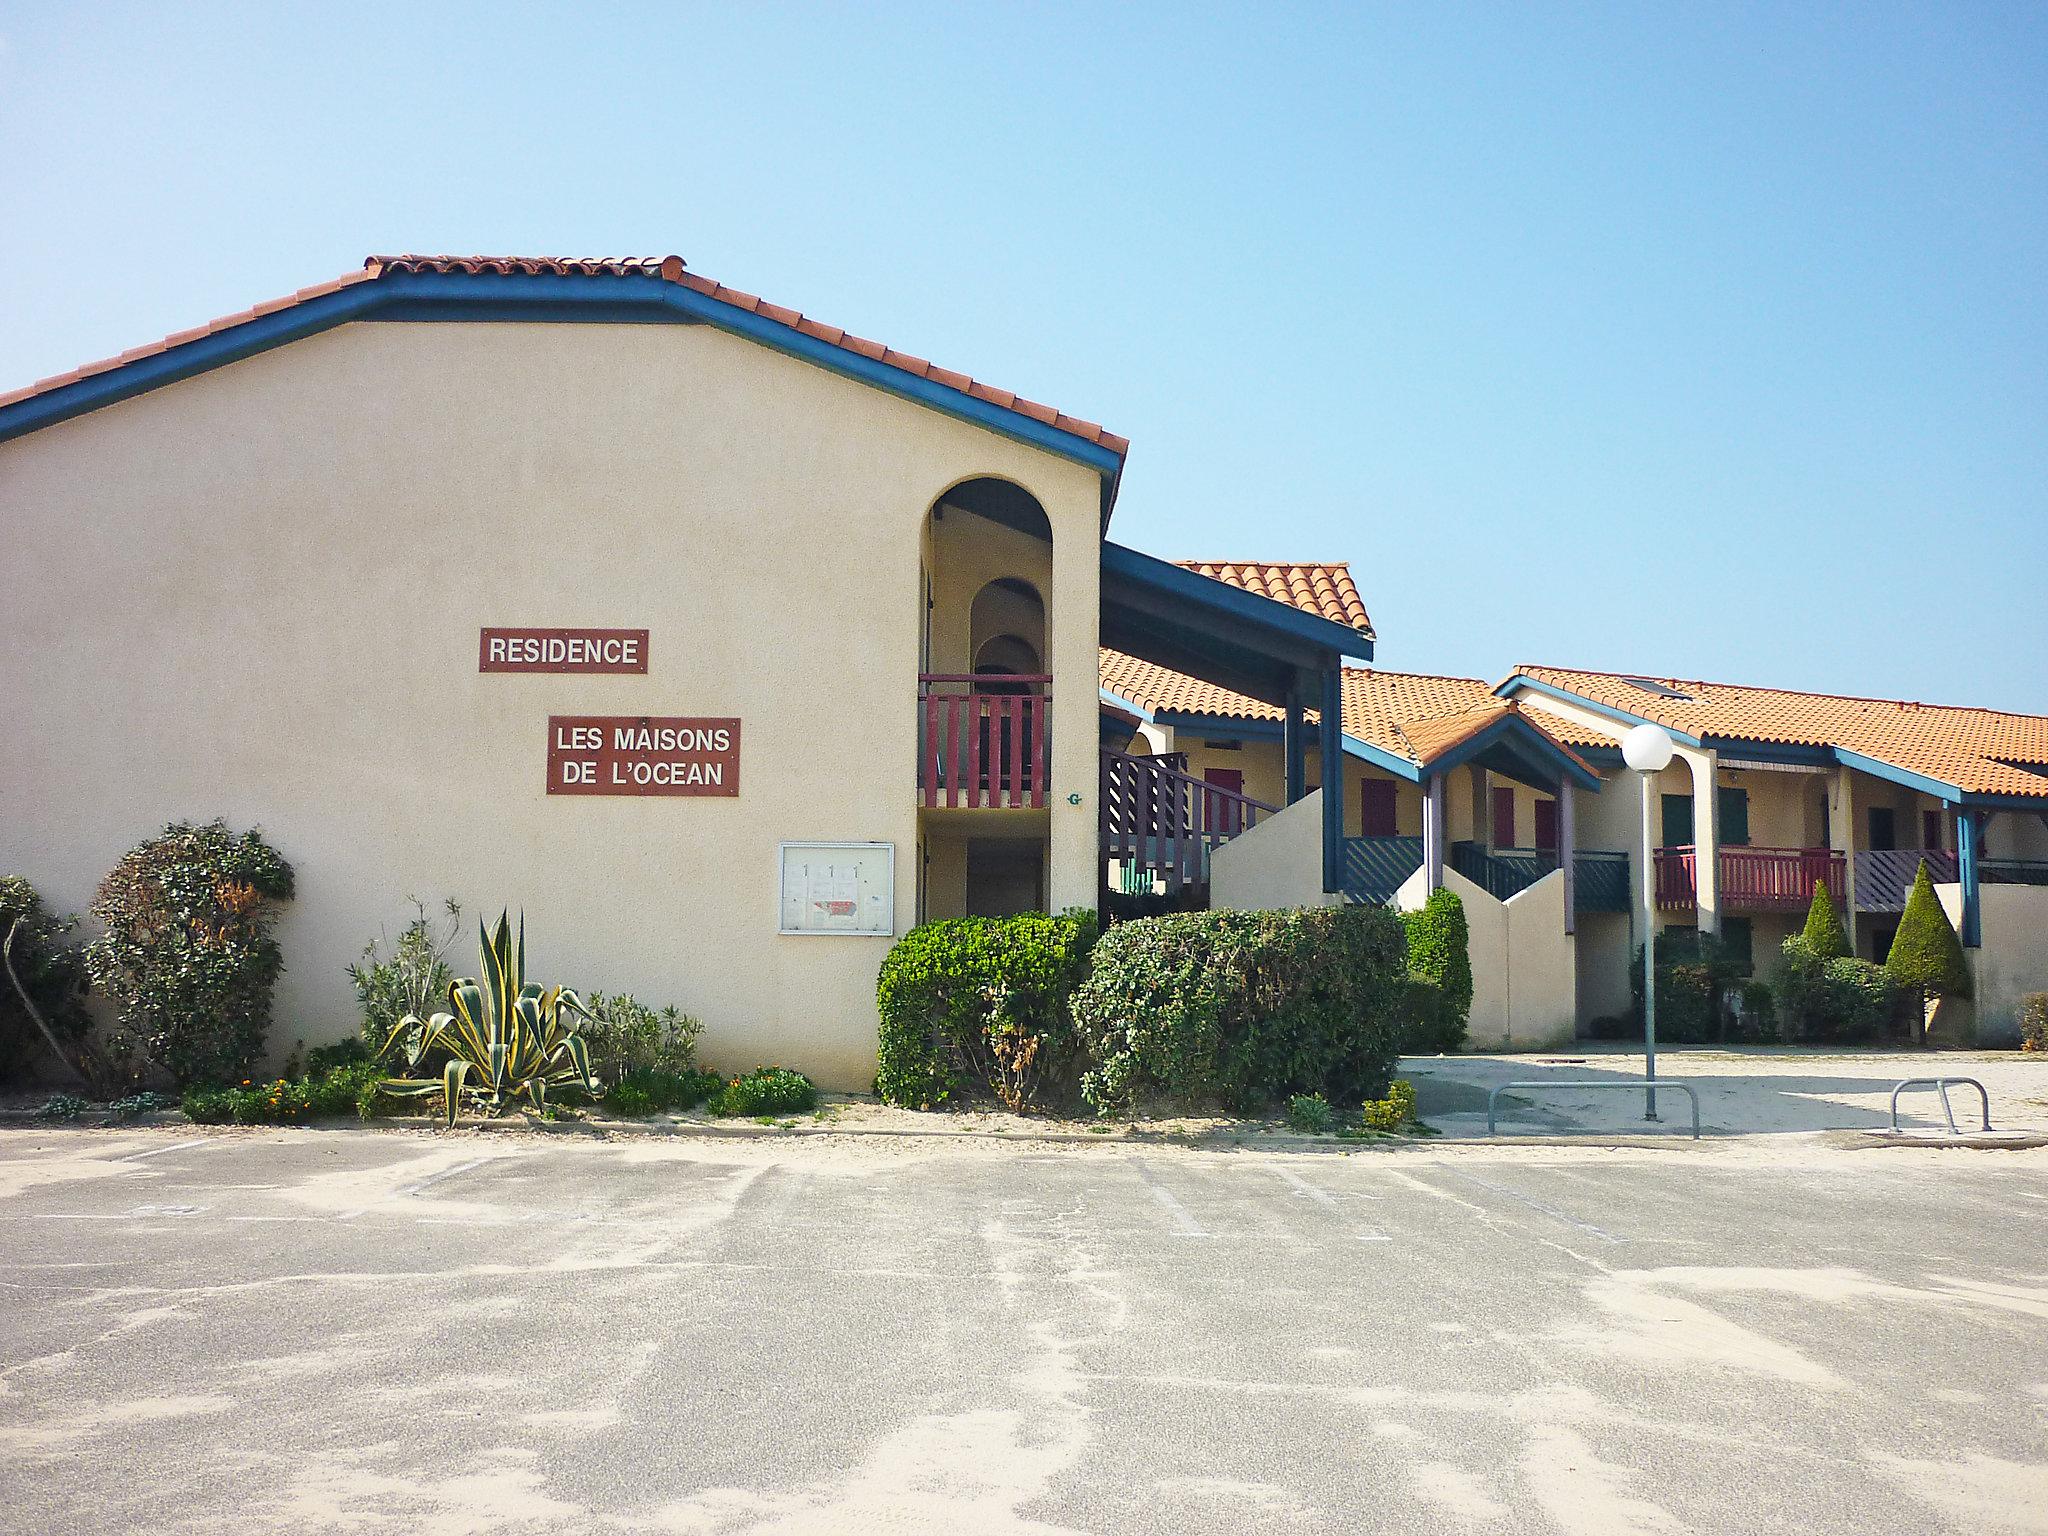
x: 1518, y: 682
x: 1878, y: 768
x: 1243, y: 728
x: 1799, y: 753
x: 1233, y: 605
x: 475, y: 296
x: 1525, y: 736
x: 1125, y: 704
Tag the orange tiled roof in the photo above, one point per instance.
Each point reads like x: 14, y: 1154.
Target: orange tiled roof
x: 1325, y: 589
x: 669, y: 268
x: 1410, y: 715
x: 1971, y: 749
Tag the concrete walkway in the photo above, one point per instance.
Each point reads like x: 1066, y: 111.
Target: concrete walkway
x: 1752, y: 1091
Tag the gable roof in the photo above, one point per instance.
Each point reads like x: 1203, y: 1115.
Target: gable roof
x: 1323, y: 588
x: 548, y: 283
x: 1960, y: 752
x: 1415, y: 718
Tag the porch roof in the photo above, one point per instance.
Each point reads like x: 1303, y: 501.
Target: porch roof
x: 1239, y: 640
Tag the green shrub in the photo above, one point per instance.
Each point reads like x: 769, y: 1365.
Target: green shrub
x: 1439, y: 994
x: 1694, y: 972
x: 1244, y: 1007
x: 50, y: 970
x: 623, y: 1034
x: 1843, y: 1001
x: 1392, y: 1113
x: 647, y: 1091
x: 982, y: 1004
x: 187, y: 957
x: 413, y: 980
x: 766, y: 1091
x: 1310, y: 1113
x: 286, y: 1100
x: 1824, y: 935
x: 1926, y: 958
x: 2034, y: 1022
x: 1759, y: 1014
x: 352, y: 1052
x: 62, y: 1106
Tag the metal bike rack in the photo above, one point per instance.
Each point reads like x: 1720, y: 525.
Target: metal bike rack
x: 1940, y: 1085
x: 1660, y: 1085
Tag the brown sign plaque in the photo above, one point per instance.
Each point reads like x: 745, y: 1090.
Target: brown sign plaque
x: 642, y: 755
x: 562, y: 650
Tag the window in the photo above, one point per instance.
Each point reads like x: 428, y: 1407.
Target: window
x: 1503, y: 818
x: 1731, y: 809
x: 1677, y: 821
x: 1930, y: 829
x: 1739, y: 941
x: 1376, y: 808
x: 1546, y: 825
x: 1884, y: 833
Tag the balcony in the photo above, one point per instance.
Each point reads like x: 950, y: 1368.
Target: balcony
x: 1751, y: 879
x: 981, y: 740
x: 1885, y: 875
x: 1159, y: 825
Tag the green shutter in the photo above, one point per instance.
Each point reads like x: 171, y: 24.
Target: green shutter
x: 1677, y: 821
x: 1732, y: 811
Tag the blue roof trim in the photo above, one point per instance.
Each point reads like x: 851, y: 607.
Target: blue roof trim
x: 470, y: 296
x: 1526, y: 734
x: 1878, y: 768
x: 1519, y: 681
x: 1232, y: 603
x: 1123, y: 703
x: 1770, y: 751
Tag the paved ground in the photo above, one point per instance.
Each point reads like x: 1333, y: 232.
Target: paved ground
x: 1762, y: 1090
x: 386, y: 1331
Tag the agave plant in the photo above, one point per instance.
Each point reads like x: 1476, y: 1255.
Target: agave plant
x: 506, y: 1038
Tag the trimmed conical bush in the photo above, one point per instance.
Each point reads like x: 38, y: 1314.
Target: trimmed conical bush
x: 1824, y: 936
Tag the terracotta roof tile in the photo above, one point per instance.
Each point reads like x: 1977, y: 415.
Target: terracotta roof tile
x: 1325, y: 590
x: 1971, y: 749
x: 669, y: 268
x: 1411, y: 715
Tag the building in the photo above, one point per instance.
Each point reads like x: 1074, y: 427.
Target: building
x: 727, y: 646
x: 593, y: 589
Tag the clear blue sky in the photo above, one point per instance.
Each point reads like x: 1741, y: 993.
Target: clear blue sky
x: 1701, y: 340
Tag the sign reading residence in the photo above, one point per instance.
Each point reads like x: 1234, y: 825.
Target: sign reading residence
x: 562, y: 650
x: 642, y: 755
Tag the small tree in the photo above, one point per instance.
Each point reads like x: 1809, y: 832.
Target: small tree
x: 1926, y: 956
x: 1439, y: 1000
x: 1824, y: 936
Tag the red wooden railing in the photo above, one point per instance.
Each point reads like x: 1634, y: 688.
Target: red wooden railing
x: 981, y: 740
x: 1752, y: 879
x: 1158, y: 822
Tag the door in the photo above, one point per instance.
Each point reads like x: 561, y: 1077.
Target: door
x: 1376, y: 808
x: 1220, y: 816
x: 1503, y: 818
x: 1546, y: 825
x: 1884, y: 829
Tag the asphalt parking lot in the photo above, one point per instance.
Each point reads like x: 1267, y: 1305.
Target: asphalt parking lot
x: 324, y: 1330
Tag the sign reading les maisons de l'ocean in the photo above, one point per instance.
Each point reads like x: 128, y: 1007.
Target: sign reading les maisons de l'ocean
x: 642, y: 755
x: 562, y: 650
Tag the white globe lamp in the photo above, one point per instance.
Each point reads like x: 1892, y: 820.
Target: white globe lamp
x: 1647, y: 749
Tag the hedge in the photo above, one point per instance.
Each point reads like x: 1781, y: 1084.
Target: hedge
x: 981, y: 1004
x: 1440, y: 976
x: 1245, y: 1008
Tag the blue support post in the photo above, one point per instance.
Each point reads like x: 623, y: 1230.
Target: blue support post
x: 1332, y: 707
x: 1969, y: 838
x: 1294, y: 745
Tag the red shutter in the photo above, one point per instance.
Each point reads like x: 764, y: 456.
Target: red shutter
x: 1376, y: 808
x: 1546, y: 824
x: 1231, y: 779
x: 1503, y: 818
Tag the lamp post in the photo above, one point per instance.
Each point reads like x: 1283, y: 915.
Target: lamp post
x: 1647, y: 749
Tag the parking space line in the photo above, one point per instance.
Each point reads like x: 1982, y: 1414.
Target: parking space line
x: 1329, y: 1202
x: 446, y: 1173
x: 176, y: 1146
x: 1537, y: 1205
x: 1183, y: 1218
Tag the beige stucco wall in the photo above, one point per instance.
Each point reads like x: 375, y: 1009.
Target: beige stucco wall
x: 2011, y: 961
x: 256, y: 594
x: 1275, y: 866
x: 1523, y: 967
